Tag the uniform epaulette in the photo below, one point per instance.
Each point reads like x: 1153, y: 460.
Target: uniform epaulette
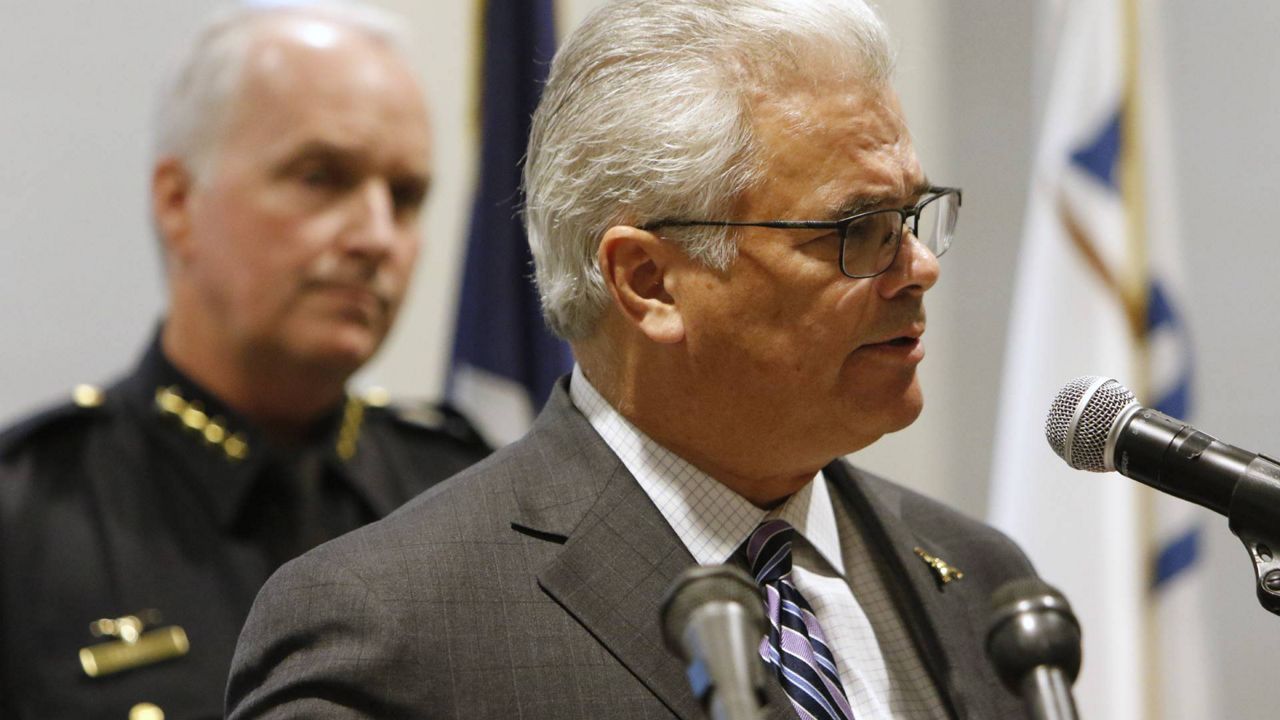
x: 87, y: 402
x: 438, y: 418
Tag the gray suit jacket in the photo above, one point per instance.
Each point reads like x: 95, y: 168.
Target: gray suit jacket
x: 528, y: 587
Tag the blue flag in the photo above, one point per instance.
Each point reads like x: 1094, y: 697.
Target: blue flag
x: 505, y: 360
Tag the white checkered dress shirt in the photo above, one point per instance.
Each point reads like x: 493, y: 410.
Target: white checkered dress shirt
x: 879, y: 666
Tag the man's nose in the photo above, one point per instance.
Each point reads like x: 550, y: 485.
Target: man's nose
x: 915, y: 268
x: 372, y: 227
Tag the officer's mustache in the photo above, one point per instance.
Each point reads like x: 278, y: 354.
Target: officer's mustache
x: 330, y: 270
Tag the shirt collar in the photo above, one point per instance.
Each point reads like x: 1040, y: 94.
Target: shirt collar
x: 710, y: 519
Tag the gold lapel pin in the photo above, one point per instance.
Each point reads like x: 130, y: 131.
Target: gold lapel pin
x: 944, y: 571
x: 134, y: 645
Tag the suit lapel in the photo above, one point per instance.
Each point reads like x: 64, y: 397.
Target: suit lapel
x: 619, y: 554
x: 935, y: 614
x: 611, y: 576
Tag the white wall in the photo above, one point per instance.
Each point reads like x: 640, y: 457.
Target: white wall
x: 80, y: 284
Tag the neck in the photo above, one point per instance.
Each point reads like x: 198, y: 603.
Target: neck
x: 764, y: 484
x: 280, y: 397
x: 764, y: 491
x: 642, y: 391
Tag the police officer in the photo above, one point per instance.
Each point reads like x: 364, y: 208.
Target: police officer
x: 138, y: 522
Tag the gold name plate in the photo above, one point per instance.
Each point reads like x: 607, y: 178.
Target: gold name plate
x: 150, y: 648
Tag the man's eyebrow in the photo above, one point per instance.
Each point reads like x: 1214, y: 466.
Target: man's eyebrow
x: 317, y: 150
x: 353, y: 156
x: 312, y: 148
x: 855, y: 204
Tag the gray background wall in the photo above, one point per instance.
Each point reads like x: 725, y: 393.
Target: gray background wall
x: 80, y: 286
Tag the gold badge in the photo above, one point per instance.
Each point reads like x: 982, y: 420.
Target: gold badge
x: 134, y: 646
x: 943, y: 571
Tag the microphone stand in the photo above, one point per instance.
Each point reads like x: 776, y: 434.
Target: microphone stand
x: 1048, y: 694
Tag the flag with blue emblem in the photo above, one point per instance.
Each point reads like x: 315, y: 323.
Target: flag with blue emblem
x: 504, y: 358
x: 1097, y: 294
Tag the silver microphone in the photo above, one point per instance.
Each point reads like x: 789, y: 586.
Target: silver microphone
x: 1096, y: 424
x: 713, y: 619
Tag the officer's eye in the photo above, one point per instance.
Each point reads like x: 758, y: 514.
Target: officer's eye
x: 325, y: 176
x: 408, y: 194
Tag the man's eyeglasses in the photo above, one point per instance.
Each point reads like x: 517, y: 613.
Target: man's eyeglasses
x: 869, y: 240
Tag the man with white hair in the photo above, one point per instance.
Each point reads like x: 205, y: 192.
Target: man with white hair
x: 732, y: 230
x: 137, y: 523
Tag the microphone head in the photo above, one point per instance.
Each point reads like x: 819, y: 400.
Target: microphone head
x: 1081, y: 419
x: 1032, y: 625
x: 701, y: 586
x: 713, y: 619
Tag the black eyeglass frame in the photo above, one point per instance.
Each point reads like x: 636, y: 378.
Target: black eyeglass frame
x: 843, y: 224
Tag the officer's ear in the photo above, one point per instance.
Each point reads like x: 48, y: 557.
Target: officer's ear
x: 635, y: 264
x: 171, y: 186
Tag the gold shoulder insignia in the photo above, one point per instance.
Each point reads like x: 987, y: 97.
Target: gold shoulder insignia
x: 88, y: 396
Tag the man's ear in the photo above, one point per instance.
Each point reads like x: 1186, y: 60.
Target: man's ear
x: 171, y: 187
x: 635, y: 264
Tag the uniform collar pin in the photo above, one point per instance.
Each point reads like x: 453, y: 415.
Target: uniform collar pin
x: 191, y: 415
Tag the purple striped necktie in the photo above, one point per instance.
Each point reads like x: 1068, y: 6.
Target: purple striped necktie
x: 796, y: 647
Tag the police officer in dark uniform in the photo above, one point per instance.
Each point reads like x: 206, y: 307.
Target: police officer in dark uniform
x: 137, y: 523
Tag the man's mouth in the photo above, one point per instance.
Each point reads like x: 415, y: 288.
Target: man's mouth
x: 907, y: 346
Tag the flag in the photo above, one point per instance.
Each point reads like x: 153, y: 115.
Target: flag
x: 1097, y: 294
x: 505, y: 360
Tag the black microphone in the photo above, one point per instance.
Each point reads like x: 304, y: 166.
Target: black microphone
x: 1095, y: 424
x: 1034, y: 643
x: 713, y: 619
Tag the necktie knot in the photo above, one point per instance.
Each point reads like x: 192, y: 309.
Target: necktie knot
x: 769, y: 551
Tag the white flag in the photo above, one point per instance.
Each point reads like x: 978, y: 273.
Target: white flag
x: 1097, y: 295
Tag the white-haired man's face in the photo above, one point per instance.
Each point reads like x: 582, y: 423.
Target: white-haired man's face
x: 301, y: 239
x: 818, y: 363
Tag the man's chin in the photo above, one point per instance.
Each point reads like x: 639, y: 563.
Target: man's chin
x: 881, y: 413
x: 342, y: 350
x: 908, y: 407
x: 904, y: 419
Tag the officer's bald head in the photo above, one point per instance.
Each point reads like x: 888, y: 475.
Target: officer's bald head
x: 197, y: 101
